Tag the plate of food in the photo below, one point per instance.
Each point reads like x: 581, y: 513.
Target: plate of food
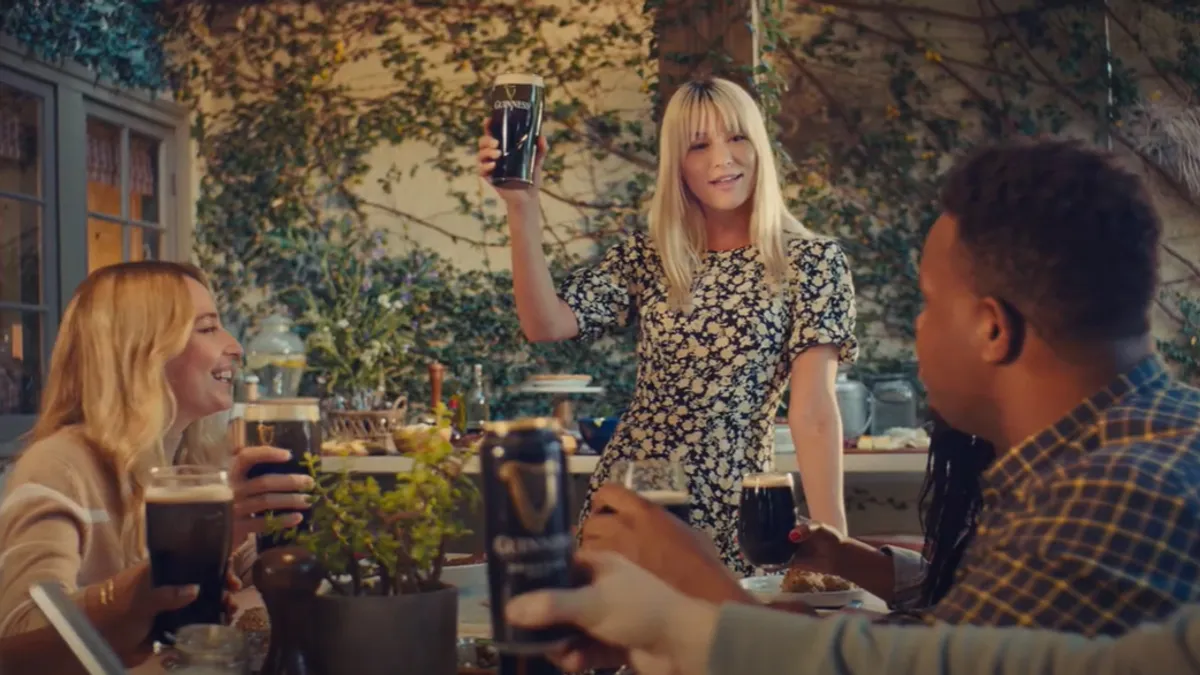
x: 824, y: 591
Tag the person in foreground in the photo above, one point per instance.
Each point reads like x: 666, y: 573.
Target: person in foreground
x: 140, y: 371
x: 735, y: 301
x: 663, y: 632
x: 1038, y: 281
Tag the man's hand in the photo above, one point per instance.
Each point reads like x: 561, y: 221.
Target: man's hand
x: 626, y: 609
x: 653, y: 539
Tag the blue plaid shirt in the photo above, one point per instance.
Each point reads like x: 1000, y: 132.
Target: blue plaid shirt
x: 1093, y: 525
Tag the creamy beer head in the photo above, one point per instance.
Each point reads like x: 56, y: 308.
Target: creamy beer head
x: 188, y: 494
x: 515, y: 104
x: 520, y: 78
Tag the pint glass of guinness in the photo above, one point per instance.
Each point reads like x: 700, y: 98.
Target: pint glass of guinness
x: 766, y: 516
x: 189, y: 535
x: 292, y: 424
x: 659, y: 481
x: 526, y: 524
x: 516, y: 102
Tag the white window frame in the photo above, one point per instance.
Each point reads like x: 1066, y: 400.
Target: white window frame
x: 72, y: 94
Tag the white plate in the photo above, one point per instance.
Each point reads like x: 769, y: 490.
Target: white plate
x: 560, y: 380
x: 767, y: 588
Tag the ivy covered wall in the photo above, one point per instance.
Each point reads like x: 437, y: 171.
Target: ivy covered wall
x: 321, y: 131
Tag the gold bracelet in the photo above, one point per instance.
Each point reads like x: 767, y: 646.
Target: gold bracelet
x: 107, y: 593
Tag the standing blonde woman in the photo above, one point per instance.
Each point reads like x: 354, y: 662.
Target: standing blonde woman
x: 140, y: 371
x: 736, y: 302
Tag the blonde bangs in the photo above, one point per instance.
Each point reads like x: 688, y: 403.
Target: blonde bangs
x: 677, y: 220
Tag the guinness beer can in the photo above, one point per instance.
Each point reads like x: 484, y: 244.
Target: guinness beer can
x: 526, y: 524
x: 292, y: 424
x: 516, y: 102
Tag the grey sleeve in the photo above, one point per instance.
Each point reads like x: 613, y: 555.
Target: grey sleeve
x: 909, y: 568
x: 758, y: 641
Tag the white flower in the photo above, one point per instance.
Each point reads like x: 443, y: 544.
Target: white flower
x: 342, y: 323
x: 384, y: 301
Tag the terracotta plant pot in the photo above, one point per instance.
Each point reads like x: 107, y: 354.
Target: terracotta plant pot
x: 385, y: 635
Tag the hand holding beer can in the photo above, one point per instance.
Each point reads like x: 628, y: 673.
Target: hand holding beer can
x: 516, y: 102
x: 527, y: 525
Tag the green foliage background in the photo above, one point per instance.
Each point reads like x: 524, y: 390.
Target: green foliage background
x: 871, y: 100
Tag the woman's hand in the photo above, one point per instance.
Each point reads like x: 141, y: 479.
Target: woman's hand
x: 489, y: 152
x: 127, y: 606
x: 818, y: 548
x: 627, y: 608
x: 272, y: 492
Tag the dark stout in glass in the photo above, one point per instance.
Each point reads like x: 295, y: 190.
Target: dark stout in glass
x: 516, y: 102
x: 526, y: 524
x: 292, y: 424
x: 676, y: 503
x: 189, y: 535
x: 766, y: 516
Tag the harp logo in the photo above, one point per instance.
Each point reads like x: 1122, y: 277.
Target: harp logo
x: 533, y: 491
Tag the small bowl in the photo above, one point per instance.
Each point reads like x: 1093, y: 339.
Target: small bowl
x: 597, y: 431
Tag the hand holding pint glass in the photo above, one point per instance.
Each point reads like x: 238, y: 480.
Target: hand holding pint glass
x: 269, y: 475
x: 766, y: 517
x: 512, y: 149
x: 189, y: 535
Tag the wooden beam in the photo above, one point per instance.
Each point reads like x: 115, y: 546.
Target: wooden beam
x: 698, y: 38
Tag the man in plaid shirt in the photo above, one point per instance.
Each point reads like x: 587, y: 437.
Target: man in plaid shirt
x: 1038, y: 283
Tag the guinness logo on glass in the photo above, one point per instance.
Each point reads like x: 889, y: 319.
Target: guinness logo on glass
x: 266, y: 434
x: 510, y: 90
x: 524, y: 481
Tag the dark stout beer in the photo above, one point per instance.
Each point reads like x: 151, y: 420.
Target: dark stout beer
x: 766, y: 516
x: 292, y: 424
x: 675, y: 502
x: 189, y: 533
x: 516, y: 102
x: 526, y: 525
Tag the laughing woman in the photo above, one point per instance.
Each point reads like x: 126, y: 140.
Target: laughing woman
x: 736, y: 302
x: 139, y: 376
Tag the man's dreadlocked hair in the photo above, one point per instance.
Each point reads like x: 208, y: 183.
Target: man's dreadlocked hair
x: 951, y: 499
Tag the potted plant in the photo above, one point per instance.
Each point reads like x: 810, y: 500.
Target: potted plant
x: 382, y: 551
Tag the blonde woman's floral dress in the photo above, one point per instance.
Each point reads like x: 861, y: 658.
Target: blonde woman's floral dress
x: 710, y: 381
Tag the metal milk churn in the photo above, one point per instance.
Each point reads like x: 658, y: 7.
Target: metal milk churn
x: 855, y: 406
x: 895, y: 406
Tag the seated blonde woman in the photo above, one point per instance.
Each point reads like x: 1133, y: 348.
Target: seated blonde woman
x: 140, y: 373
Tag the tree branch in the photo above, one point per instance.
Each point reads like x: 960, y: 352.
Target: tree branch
x: 456, y: 238
x: 892, y: 9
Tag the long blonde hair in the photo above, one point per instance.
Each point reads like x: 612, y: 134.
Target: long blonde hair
x: 676, y: 218
x: 108, y: 377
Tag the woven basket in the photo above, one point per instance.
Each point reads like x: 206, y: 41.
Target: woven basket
x: 371, y: 426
